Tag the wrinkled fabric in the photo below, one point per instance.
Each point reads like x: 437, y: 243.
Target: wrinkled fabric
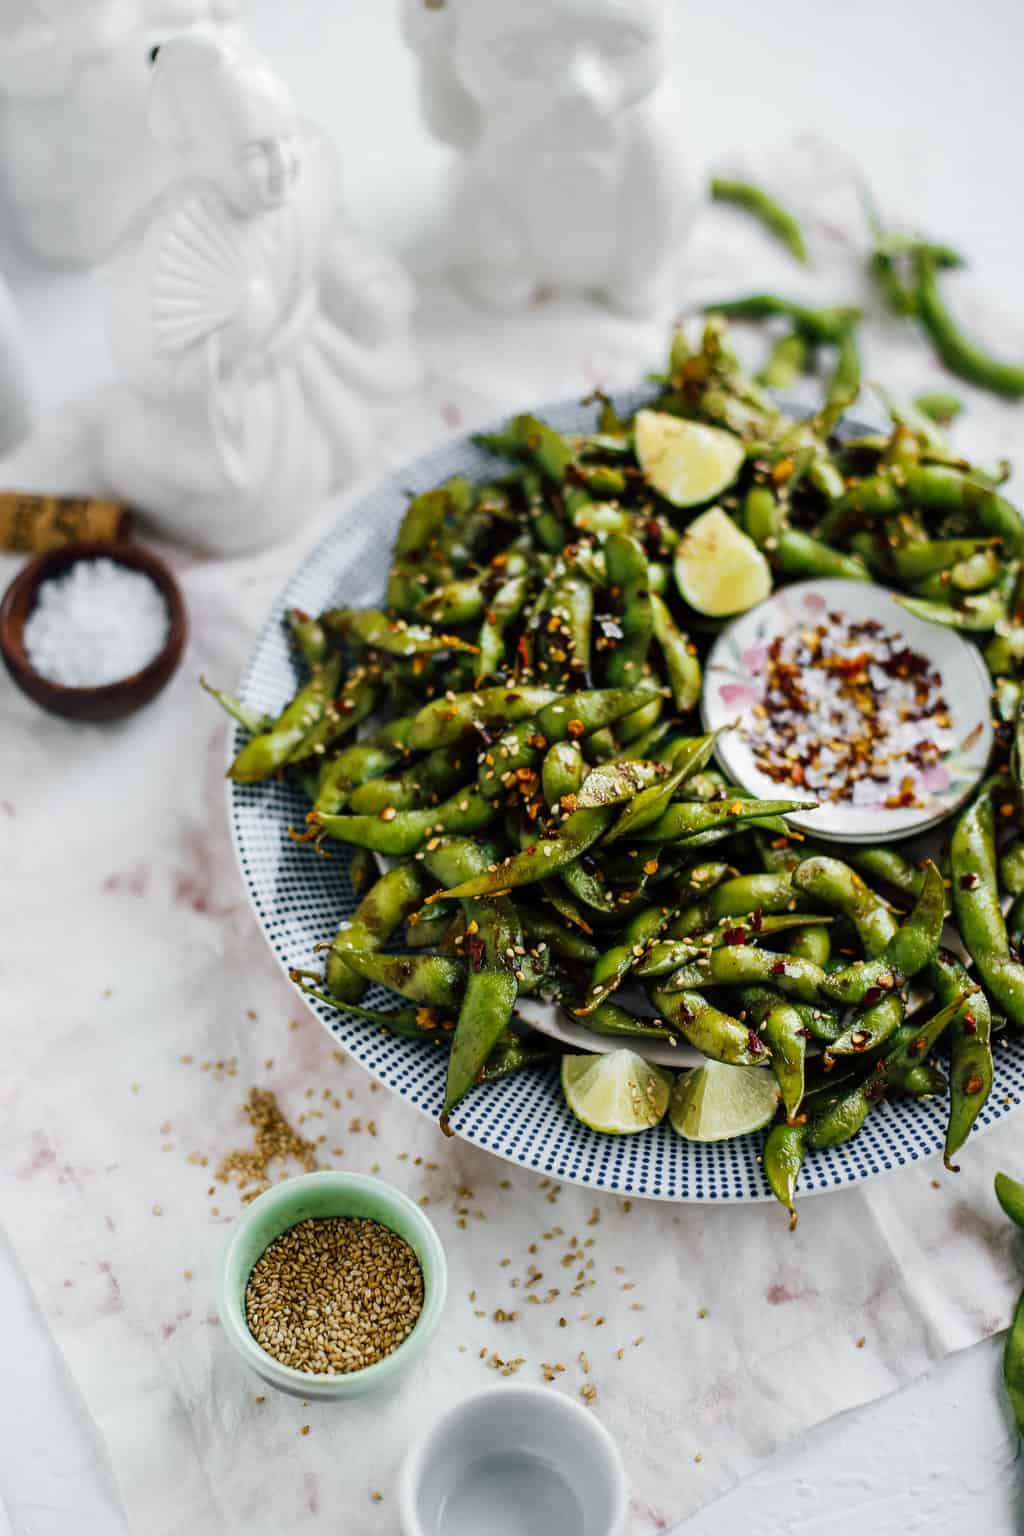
x: 141, y: 1004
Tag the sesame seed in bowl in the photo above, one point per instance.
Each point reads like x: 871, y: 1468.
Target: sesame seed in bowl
x: 332, y: 1284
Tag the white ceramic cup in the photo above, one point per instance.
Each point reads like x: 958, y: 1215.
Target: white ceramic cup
x: 514, y: 1461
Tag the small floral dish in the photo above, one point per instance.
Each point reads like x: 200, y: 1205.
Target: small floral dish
x: 835, y: 693
x: 315, y: 1196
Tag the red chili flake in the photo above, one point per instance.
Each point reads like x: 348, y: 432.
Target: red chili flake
x: 970, y: 881
x: 917, y: 1047
x: 735, y: 936
x: 871, y: 996
x: 755, y: 1042
x: 970, y: 1024
x: 537, y: 740
x: 575, y: 728
x: 807, y: 1034
x: 523, y: 650
x: 475, y: 951
x: 779, y: 968
x: 974, y: 1084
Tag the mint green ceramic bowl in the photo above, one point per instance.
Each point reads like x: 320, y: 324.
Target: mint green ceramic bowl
x: 322, y: 1195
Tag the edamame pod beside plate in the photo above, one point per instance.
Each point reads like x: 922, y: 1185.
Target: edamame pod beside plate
x: 300, y: 899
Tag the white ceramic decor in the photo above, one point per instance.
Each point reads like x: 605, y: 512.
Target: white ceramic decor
x: 176, y: 15
x: 249, y: 322
x: 73, y: 150
x: 575, y: 176
x: 514, y: 1461
x: 15, y: 406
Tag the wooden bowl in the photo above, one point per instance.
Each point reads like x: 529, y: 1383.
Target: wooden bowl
x: 114, y: 700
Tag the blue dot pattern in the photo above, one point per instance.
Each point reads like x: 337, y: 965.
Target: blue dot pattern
x: 300, y: 899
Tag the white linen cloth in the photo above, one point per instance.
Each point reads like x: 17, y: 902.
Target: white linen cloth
x: 141, y: 1004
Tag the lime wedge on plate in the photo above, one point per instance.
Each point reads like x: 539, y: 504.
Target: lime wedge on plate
x: 716, y: 1102
x: 719, y: 569
x: 685, y: 461
x: 616, y: 1093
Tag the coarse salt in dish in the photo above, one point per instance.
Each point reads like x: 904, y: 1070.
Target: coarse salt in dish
x: 851, y: 712
x: 98, y: 624
x: 834, y: 693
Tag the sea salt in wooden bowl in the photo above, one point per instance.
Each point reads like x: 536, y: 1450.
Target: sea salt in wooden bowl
x: 316, y: 1196
x: 111, y: 701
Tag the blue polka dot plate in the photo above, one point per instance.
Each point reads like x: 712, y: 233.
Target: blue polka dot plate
x: 300, y: 899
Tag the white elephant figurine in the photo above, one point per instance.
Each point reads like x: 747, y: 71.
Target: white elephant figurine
x: 249, y: 322
x: 575, y: 176
x: 176, y: 15
x: 73, y: 153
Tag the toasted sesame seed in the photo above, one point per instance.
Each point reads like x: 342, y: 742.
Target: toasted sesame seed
x: 334, y: 1295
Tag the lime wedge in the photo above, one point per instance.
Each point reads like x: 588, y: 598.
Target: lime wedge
x: 719, y: 569
x: 616, y: 1093
x: 716, y: 1102
x: 687, y: 462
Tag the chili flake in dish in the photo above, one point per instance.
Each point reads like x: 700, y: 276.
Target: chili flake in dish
x: 851, y: 713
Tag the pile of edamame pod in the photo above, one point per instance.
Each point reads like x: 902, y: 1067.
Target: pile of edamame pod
x: 515, y: 730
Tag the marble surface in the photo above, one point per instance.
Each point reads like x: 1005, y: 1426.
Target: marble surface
x: 109, y: 898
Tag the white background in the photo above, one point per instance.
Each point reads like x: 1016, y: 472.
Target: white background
x: 926, y: 95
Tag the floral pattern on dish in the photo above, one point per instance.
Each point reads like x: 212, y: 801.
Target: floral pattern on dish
x: 735, y: 685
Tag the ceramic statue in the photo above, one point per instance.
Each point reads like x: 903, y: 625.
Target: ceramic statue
x: 171, y: 16
x: 15, y: 398
x: 73, y: 85
x: 250, y: 323
x: 565, y: 113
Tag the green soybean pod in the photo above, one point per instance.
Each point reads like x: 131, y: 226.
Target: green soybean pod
x: 382, y: 911
x: 784, y: 1152
x: 681, y: 661
x: 1011, y: 868
x: 562, y: 771
x: 627, y: 569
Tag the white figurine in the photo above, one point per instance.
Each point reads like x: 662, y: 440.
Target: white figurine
x: 15, y: 400
x: 574, y: 174
x: 248, y: 322
x: 176, y: 15
x: 73, y: 88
